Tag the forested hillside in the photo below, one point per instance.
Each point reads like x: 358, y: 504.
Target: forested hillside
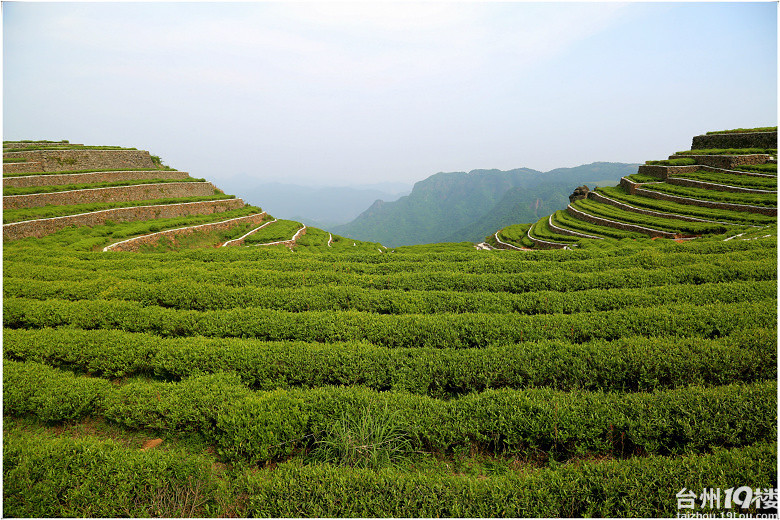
x: 453, y: 207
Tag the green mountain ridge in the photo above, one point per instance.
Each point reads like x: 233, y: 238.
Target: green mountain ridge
x: 460, y: 206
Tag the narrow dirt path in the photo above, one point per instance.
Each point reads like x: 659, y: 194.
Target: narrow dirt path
x: 186, y: 229
x: 241, y: 239
x: 289, y: 243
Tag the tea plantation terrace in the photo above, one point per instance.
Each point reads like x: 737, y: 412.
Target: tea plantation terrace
x: 165, y: 360
x: 730, y: 189
x: 50, y: 186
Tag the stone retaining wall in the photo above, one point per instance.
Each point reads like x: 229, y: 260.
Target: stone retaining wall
x: 544, y: 244
x: 47, y: 226
x: 23, y: 167
x: 725, y: 161
x: 619, y: 225
x: 735, y: 140
x: 628, y: 185
x: 36, y: 144
x: 86, y: 178
x: 64, y: 160
x: 706, y: 203
x: 115, y: 194
x: 505, y: 247
x: 662, y: 172
x: 568, y: 232
x: 134, y: 244
x: 690, y: 183
x: 606, y: 200
x: 735, y: 172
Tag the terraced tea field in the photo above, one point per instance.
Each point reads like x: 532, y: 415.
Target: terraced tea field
x: 695, y: 193
x: 198, y: 372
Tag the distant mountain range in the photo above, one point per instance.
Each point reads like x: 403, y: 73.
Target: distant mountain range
x: 319, y: 206
x: 460, y: 206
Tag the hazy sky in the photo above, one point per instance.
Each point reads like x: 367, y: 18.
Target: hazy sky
x: 348, y: 93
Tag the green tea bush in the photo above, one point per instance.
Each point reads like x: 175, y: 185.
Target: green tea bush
x: 258, y: 427
x: 745, y: 130
x: 627, y: 364
x: 642, y: 487
x: 730, y: 179
x: 50, y: 394
x: 18, y: 215
x: 737, y: 217
x: 768, y: 168
x: 69, y: 187
x: 193, y: 405
x: 683, y: 161
x: 439, y: 331
x: 86, y: 477
x: 262, y: 427
x: 671, y: 224
x: 729, y: 151
x: 754, y: 199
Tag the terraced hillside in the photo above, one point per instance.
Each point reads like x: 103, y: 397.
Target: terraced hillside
x: 330, y: 377
x: 44, y: 193
x: 726, y: 184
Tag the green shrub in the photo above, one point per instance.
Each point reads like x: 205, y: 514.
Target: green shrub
x: 85, y: 477
x: 262, y: 427
x: 49, y: 394
x: 643, y: 487
x: 745, y: 130
x: 683, y: 161
x: 729, y: 151
x: 70, y: 187
x: 626, y: 364
x: 193, y: 405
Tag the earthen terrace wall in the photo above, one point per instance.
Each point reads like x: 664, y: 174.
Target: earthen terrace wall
x: 63, y: 160
x: 115, y: 194
x: 84, y: 178
x: 42, y: 227
x: 735, y: 140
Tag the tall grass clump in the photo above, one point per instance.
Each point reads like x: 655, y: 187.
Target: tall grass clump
x: 371, y: 439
